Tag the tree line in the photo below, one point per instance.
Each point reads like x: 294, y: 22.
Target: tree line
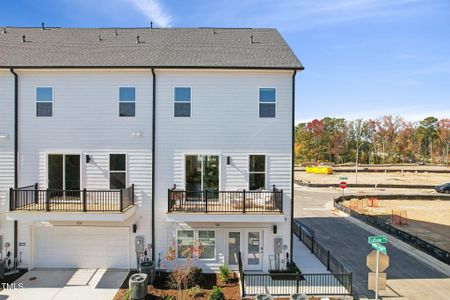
x: 386, y: 139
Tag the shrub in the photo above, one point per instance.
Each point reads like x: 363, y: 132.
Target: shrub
x: 216, y: 294
x: 196, y: 291
x: 196, y: 276
x: 225, y: 274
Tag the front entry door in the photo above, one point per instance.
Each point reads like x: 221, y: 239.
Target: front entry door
x: 64, y: 174
x: 254, y: 250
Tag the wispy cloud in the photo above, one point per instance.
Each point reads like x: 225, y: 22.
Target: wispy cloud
x: 294, y: 15
x: 153, y: 10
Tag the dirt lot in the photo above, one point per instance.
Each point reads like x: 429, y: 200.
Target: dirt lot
x: 429, y: 220
x: 378, y: 178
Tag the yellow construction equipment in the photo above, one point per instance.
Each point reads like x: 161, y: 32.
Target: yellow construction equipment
x: 319, y: 170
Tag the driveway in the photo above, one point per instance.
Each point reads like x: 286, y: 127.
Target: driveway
x: 59, y: 284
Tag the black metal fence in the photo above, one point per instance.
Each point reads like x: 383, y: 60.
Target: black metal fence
x: 381, y: 224
x: 225, y: 201
x: 285, y: 284
x: 31, y: 198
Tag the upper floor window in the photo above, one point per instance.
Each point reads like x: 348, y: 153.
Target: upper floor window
x: 257, y: 172
x: 267, y: 102
x: 127, y: 101
x: 182, y: 102
x: 44, y: 102
x: 117, y: 171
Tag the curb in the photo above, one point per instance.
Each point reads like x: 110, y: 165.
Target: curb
x: 385, y: 186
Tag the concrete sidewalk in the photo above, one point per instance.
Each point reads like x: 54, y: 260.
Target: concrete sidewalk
x: 307, y: 262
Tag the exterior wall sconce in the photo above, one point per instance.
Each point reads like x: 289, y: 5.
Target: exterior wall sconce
x: 275, y: 229
x: 228, y: 160
x: 88, y: 158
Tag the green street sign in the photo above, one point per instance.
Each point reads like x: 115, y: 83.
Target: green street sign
x: 343, y: 178
x: 379, y: 247
x: 382, y: 239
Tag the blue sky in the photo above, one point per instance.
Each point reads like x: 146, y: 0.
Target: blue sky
x: 363, y: 58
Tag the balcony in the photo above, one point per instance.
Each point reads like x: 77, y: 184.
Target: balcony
x: 32, y: 203
x: 232, y: 206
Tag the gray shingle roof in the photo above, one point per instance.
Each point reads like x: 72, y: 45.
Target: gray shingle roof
x: 161, y: 47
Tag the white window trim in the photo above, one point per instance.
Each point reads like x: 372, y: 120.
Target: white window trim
x: 135, y: 101
x: 258, y: 172
x: 195, y: 238
x: 173, y: 101
x: 276, y: 102
x: 115, y: 171
x: 36, y: 102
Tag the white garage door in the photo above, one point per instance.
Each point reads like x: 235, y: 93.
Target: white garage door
x: 81, y: 247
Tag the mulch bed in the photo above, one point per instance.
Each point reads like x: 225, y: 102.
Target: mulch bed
x: 11, y: 278
x: 158, y: 288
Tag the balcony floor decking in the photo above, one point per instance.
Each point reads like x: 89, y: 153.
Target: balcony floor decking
x: 72, y: 207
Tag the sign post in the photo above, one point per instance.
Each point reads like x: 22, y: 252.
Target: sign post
x: 379, y: 266
x: 343, y: 186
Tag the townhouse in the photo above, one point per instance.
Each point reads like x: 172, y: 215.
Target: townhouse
x: 166, y: 137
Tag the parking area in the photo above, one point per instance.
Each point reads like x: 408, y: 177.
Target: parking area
x: 59, y: 284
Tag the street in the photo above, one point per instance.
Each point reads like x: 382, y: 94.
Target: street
x: 408, y: 276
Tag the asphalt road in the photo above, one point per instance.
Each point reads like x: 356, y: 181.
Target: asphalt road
x: 348, y: 243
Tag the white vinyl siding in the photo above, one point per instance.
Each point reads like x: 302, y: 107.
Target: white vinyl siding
x: 226, y: 123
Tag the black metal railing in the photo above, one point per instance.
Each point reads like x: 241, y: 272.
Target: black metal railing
x: 285, y: 284
x: 259, y: 201
x: 241, y: 275
x: 31, y: 198
x: 323, y: 254
x: 383, y: 225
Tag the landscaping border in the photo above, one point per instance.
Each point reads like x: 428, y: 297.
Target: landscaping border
x: 381, y: 224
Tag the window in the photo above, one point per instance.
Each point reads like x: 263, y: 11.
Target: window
x: 182, y: 102
x: 207, y: 241
x: 257, y: 172
x: 185, y: 240
x: 117, y: 171
x: 44, y: 102
x: 267, y: 102
x: 127, y: 101
x: 202, y: 173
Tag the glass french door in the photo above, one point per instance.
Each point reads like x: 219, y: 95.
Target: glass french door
x: 254, y: 255
x: 202, y: 174
x: 64, y: 175
x: 234, y: 247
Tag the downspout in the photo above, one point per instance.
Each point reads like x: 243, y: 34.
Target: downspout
x: 16, y: 149
x: 153, y: 161
x: 292, y: 165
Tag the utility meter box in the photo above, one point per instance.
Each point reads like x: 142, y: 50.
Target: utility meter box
x: 139, y: 244
x: 278, y: 245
